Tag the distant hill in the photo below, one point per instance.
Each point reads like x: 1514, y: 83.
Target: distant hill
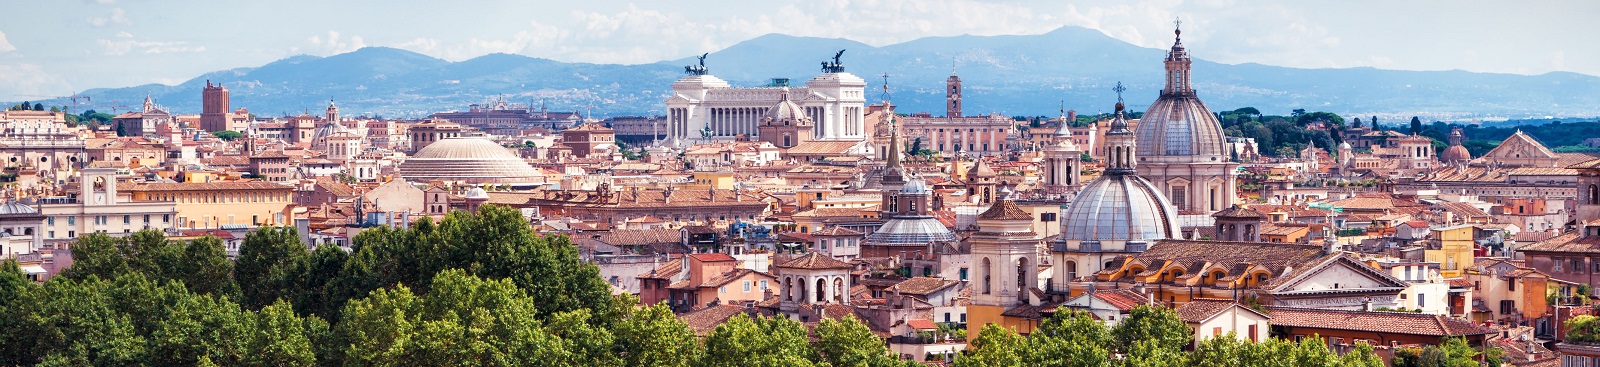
x: 1012, y: 75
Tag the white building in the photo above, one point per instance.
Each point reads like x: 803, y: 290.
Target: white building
x: 701, y: 102
x: 99, y: 207
x: 1427, y: 291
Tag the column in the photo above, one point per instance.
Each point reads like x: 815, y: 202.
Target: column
x: 829, y: 289
x: 847, y: 289
x: 811, y: 294
x: 994, y: 140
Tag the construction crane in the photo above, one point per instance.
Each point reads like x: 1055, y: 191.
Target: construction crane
x: 76, y: 98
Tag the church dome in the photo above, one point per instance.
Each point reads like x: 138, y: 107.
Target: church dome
x: 467, y: 159
x: 1179, y: 125
x: 1456, y: 153
x: 1120, y: 207
x: 477, y: 193
x: 785, y: 109
x: 915, y: 186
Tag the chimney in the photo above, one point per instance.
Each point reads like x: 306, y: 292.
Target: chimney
x: 1366, y: 305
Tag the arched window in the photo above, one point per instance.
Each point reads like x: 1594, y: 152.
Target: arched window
x: 1071, y: 269
x: 822, y: 290
x: 1594, y: 194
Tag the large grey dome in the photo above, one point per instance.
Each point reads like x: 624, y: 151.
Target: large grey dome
x: 1120, y: 207
x: 468, y: 159
x: 1179, y: 125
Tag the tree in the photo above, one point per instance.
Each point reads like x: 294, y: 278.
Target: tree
x: 466, y: 320
x: 848, y: 342
x: 653, y: 336
x: 1454, y: 352
x: 227, y: 135
x: 264, y: 270
x: 1356, y: 124
x: 279, y: 338
x: 995, y: 346
x: 1416, y: 125
x: 1159, y: 324
x: 38, y: 107
x: 758, y: 342
x: 1070, y: 338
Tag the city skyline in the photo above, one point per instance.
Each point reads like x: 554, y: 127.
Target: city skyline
x: 75, y: 46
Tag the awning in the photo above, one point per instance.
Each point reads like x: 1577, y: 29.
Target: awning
x: 33, y: 269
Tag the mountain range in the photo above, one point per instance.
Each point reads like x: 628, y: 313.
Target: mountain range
x: 1010, y: 75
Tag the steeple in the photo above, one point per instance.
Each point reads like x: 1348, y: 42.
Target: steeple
x: 893, y: 174
x: 1178, y: 64
x: 149, y: 105
x: 1120, y: 141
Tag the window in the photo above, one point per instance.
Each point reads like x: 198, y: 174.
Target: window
x: 763, y: 284
x: 946, y: 317
x: 1577, y: 265
x: 723, y: 289
x: 1422, y: 300
x: 1216, y: 331
x: 746, y: 285
x: 1508, y: 306
x: 1252, y: 333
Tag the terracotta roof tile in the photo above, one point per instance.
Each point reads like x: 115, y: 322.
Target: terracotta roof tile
x: 1375, y: 321
x: 815, y: 260
x: 713, y: 257
x: 1005, y: 210
x: 922, y: 286
x: 705, y: 320
x: 1202, y: 309
x: 922, y: 324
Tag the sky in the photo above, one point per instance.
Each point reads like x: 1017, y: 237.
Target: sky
x: 59, y: 47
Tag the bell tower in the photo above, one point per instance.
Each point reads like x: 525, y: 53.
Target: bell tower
x: 98, y: 187
x: 952, y: 95
x: 1005, y: 253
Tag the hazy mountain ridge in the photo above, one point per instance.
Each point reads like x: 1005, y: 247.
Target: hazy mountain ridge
x: 1012, y: 75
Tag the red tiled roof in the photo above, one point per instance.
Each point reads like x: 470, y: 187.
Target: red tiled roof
x: 815, y: 260
x: 713, y: 257
x: 922, y: 324
x: 666, y: 270
x: 1122, y: 299
x: 1375, y: 321
x: 704, y: 320
x: 922, y: 286
x: 1202, y: 309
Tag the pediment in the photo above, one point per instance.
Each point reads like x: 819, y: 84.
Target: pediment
x: 1339, y: 274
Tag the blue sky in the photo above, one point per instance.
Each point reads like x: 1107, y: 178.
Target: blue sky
x: 69, y: 45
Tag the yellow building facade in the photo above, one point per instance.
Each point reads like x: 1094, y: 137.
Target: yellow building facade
x: 221, y: 204
x: 1451, y: 247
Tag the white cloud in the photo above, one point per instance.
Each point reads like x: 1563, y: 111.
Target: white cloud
x: 334, y: 43
x: 29, y: 79
x: 5, y: 45
x: 125, y: 44
x: 118, y: 16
